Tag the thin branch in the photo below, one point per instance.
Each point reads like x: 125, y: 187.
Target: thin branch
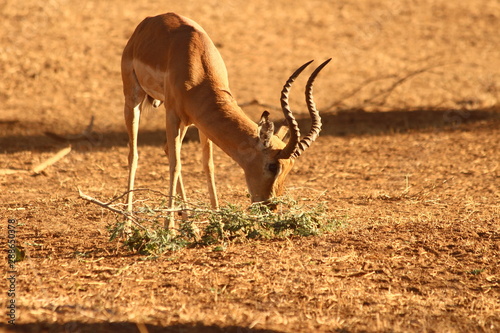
x: 4, y: 172
x: 103, y: 204
x: 128, y: 215
x: 45, y: 164
x: 426, y: 190
x: 187, y: 203
x: 40, y: 167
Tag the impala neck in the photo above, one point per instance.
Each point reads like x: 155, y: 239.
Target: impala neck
x: 226, y: 125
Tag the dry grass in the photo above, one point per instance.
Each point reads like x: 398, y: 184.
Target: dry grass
x: 419, y: 189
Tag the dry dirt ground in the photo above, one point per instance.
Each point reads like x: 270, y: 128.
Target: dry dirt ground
x: 408, y: 161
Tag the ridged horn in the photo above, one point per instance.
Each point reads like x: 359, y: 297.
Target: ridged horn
x: 315, y: 117
x: 293, y: 142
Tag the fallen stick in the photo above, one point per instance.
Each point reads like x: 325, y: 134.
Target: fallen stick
x: 40, y: 167
x: 59, y: 155
x: 128, y: 215
x: 4, y: 172
x: 102, y: 204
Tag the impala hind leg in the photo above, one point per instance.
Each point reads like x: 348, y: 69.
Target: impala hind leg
x: 208, y: 168
x: 132, y: 117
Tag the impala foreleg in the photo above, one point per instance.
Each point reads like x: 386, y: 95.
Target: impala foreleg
x: 180, y: 184
x: 175, y: 133
x: 208, y: 168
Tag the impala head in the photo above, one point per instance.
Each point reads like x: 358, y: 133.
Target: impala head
x: 266, y: 177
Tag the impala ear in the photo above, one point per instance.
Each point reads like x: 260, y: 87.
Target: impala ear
x: 266, y: 130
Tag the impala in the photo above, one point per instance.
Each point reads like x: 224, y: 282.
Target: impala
x: 171, y: 60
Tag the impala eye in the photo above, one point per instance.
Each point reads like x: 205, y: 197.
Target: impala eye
x: 273, y: 168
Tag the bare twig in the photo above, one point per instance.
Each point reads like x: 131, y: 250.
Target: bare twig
x: 103, y: 204
x: 40, y: 167
x: 59, y: 155
x: 4, y: 172
x: 138, y: 190
x: 142, y: 328
x: 186, y: 203
x: 128, y: 215
x: 426, y: 190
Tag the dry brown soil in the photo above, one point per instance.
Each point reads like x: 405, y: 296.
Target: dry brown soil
x: 413, y: 173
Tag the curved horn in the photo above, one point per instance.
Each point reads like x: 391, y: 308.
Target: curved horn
x: 315, y: 117
x: 292, y: 143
